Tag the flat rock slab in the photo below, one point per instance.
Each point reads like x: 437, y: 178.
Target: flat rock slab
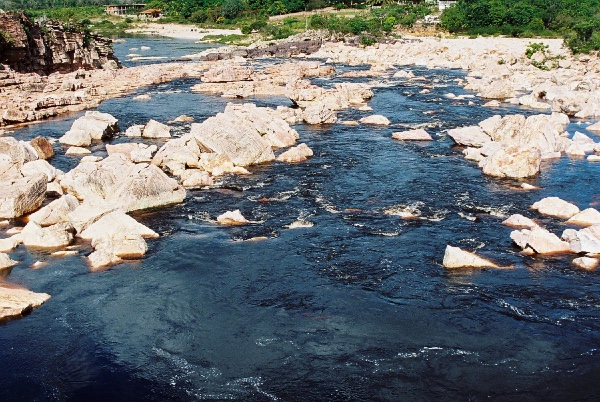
x: 15, y: 302
x: 412, y: 135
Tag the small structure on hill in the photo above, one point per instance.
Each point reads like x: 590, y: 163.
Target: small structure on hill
x: 124, y: 9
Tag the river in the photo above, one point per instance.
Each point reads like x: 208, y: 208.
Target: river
x: 356, y: 307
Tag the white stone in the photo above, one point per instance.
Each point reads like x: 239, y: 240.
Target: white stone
x: 454, y: 257
x: 232, y: 218
x: 554, y: 206
x: 412, y: 135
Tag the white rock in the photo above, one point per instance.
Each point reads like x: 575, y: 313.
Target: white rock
x: 586, y: 263
x: 55, y: 212
x: 57, y: 235
x: 454, y: 257
x: 154, y: 129
x: 513, y: 162
x: 232, y: 218
x: 299, y: 153
x: 375, y: 119
x: 587, y: 217
x: 412, y: 135
x: 519, y: 222
x: 554, y: 206
x: 116, y: 222
x: 6, y: 262
x: 582, y: 241
x: 134, y: 131
x: 77, y: 151
x: 17, y: 301
x: 472, y: 136
x: 40, y: 166
x: 22, y: 196
x: 540, y: 240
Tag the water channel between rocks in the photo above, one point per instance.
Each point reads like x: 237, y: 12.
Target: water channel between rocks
x: 355, y: 307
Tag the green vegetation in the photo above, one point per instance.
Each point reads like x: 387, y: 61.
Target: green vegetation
x: 5, y: 41
x: 576, y: 21
x: 544, y: 61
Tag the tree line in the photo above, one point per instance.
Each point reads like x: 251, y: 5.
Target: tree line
x: 576, y: 20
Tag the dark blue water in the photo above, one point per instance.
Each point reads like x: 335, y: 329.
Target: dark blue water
x: 354, y: 308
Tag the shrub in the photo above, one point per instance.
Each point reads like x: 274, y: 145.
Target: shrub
x: 246, y: 29
x: 367, y: 40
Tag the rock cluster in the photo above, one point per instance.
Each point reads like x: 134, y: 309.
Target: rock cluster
x: 514, y: 146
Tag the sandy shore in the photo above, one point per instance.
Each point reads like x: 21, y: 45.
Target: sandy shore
x: 177, y: 31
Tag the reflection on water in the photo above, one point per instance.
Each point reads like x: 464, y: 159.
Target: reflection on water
x: 354, y: 306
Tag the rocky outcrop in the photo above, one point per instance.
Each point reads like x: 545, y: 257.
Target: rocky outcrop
x: 539, y: 240
x: 92, y: 126
x: 15, y: 302
x: 22, y: 196
x: 118, y: 182
x: 296, y: 154
x: 52, y: 47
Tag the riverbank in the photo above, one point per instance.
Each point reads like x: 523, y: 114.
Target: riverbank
x: 179, y: 31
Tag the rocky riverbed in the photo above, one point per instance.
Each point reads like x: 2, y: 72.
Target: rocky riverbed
x: 365, y: 145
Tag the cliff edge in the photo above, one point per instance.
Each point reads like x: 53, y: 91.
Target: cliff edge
x: 28, y: 47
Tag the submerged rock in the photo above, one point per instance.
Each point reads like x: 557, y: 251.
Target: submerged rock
x: 454, y: 257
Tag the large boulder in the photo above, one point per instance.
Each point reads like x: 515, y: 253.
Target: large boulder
x: 15, y: 301
x: 241, y: 143
x: 554, y: 206
x: 587, y: 217
x: 116, y: 223
x: 36, y: 167
x: 178, y: 154
x: 513, y: 162
x: 472, y: 136
x: 22, y: 196
x: 296, y: 154
x: 319, y: 113
x: 55, y: 212
x: 99, y: 125
x: 584, y: 240
x: 155, y: 129
x: 539, y: 240
x: 43, y: 147
x: 122, y: 184
x: 266, y: 122
x: 518, y: 221
x: 6, y: 262
x: 113, y: 248
x: 93, y: 125
x: 57, y: 235
x: 454, y: 257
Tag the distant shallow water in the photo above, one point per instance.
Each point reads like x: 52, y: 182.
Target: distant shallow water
x: 356, y: 307
x: 140, y: 49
